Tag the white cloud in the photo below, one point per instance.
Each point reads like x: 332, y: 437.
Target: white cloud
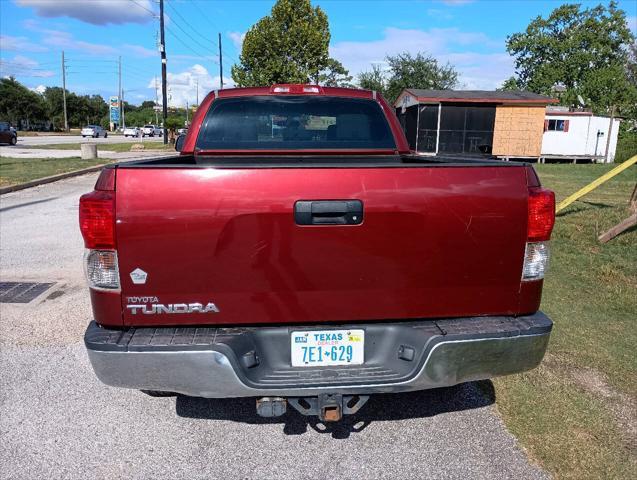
x: 39, y: 89
x: 62, y: 39
x: 237, y: 39
x: 182, y: 86
x: 97, y: 12
x: 20, y: 66
x: 19, y: 44
x: 477, y: 70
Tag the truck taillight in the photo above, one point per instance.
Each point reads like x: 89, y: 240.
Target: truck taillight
x: 97, y: 219
x: 97, y: 224
x: 541, y: 218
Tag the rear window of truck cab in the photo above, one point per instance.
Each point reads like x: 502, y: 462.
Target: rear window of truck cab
x: 294, y: 122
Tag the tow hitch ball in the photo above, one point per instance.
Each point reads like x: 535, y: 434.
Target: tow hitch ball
x: 328, y: 407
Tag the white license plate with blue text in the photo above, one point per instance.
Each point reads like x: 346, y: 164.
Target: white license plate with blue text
x: 317, y: 348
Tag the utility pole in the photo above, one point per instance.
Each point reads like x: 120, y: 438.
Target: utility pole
x: 123, y: 118
x: 186, y: 113
x: 162, y: 48
x: 66, y: 121
x: 156, y: 101
x: 220, y: 65
x: 119, y: 91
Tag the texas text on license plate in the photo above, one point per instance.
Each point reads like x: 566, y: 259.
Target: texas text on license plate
x: 317, y: 348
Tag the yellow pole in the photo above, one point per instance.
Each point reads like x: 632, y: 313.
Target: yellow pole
x: 596, y: 183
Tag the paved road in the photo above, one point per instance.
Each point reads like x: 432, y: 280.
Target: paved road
x: 58, y: 421
x: 58, y: 139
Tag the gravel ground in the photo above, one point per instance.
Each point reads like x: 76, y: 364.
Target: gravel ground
x: 58, y: 421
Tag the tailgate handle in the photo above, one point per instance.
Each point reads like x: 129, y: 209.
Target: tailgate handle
x: 328, y: 212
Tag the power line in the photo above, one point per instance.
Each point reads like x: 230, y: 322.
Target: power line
x: 23, y: 66
x: 143, y: 7
x: 205, y: 47
x: 186, y: 45
x: 134, y: 68
x: 208, y: 19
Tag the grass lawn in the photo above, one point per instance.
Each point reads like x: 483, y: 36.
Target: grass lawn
x: 110, y: 147
x: 20, y: 170
x: 576, y: 413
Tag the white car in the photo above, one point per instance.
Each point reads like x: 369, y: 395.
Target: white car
x: 182, y: 131
x: 151, y: 131
x: 94, y: 131
x: 131, y: 132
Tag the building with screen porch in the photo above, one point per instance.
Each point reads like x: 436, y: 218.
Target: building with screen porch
x: 505, y: 124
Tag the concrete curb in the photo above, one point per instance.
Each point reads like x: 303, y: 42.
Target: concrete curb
x: 52, y: 178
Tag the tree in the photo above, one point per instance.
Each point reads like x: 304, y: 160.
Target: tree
x: 584, y: 50
x: 421, y: 71
x: 147, y: 104
x: 334, y: 75
x: 288, y: 46
x: 54, y: 105
x: 407, y: 71
x: 510, y: 84
x: 374, y: 80
x: 19, y: 104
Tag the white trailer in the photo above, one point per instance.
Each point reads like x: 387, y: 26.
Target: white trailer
x: 578, y: 136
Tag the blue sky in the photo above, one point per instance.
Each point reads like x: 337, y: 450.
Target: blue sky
x: 470, y: 34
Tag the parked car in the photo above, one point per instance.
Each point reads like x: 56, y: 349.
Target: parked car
x: 151, y: 131
x: 8, y: 134
x: 182, y: 131
x: 131, y: 132
x: 313, y: 265
x: 94, y: 131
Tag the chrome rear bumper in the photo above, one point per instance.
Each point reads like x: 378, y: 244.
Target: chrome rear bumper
x: 244, y: 362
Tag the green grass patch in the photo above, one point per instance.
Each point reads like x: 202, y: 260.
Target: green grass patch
x: 20, y: 170
x: 573, y: 414
x: 110, y: 147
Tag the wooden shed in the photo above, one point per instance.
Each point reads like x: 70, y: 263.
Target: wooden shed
x: 507, y: 124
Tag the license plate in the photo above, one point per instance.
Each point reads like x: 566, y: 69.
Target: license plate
x: 316, y: 348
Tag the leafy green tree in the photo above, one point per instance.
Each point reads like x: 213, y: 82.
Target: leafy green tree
x: 510, y: 84
x: 334, y: 75
x: 373, y: 79
x: 81, y: 109
x: 288, y: 46
x: 19, y: 104
x: 54, y: 105
x: 421, y: 71
x: 407, y: 71
x: 174, y: 122
x: 147, y: 104
x: 586, y: 51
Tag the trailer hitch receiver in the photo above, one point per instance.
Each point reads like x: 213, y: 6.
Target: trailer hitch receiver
x: 329, y: 407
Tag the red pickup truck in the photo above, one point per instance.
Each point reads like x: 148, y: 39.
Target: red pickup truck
x: 296, y: 251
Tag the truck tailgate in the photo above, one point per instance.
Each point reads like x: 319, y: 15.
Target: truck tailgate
x: 435, y: 241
